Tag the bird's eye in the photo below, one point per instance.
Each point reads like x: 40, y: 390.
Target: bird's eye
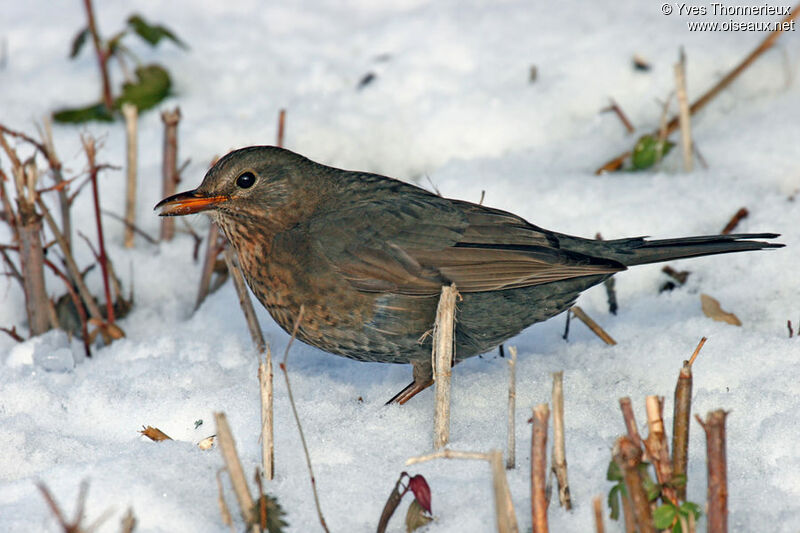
x: 246, y: 180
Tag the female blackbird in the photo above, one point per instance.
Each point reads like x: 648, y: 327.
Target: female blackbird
x: 367, y: 256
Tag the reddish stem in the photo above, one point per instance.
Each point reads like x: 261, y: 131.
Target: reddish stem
x: 102, y: 55
x: 98, y: 220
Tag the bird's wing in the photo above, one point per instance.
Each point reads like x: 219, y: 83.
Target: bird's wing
x: 405, y: 240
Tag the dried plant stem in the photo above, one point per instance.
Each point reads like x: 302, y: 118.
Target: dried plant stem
x: 443, y: 352
x: 709, y: 95
x: 227, y: 446
x: 102, y: 56
x: 31, y: 253
x: 592, y: 325
x: 447, y: 454
x: 512, y: 406
x: 541, y: 414
x: 170, y: 166
x: 130, y: 113
x: 614, y: 106
x: 597, y: 506
x: 630, y: 421
x: 232, y: 261
x: 212, y: 251
x: 559, y: 458
x: 503, y: 504
x: 267, y: 432
x: 629, y: 456
x: 90, y: 149
x: 72, y: 267
x: 657, y: 447
x: 281, y: 128
x: 296, y: 327
x: 714, y: 428
x: 55, y: 168
x: 683, y: 112
x: 741, y: 214
x: 627, y: 514
x: 681, y: 418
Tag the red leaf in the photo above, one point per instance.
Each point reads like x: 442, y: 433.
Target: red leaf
x: 421, y: 490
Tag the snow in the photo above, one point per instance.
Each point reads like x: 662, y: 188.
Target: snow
x: 451, y: 101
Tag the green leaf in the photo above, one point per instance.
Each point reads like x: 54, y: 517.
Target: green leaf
x: 77, y: 115
x: 652, y: 488
x: 614, y: 473
x: 113, y: 43
x: 664, y: 515
x: 152, y: 33
x: 614, y: 496
x: 648, y: 151
x: 690, y: 507
x: 678, y: 481
x: 152, y: 85
x: 274, y: 511
x: 77, y: 42
x: 416, y: 517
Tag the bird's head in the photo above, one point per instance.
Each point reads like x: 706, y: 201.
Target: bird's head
x: 257, y: 182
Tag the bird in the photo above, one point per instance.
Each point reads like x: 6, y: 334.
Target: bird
x: 365, y: 256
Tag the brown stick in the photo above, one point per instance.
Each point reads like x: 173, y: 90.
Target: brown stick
x: 559, y: 459
x: 592, y: 325
x: 709, y: 95
x: 212, y: 251
x: 657, y: 448
x: 169, y: 168
x: 447, y: 454
x: 102, y: 56
x: 683, y: 112
x: 681, y: 419
x: 281, y: 127
x: 246, y: 304
x: 227, y: 446
x: 541, y: 413
x: 630, y: 421
x: 735, y: 219
x: 617, y: 110
x: 55, y: 168
x: 597, y: 505
x: 503, y: 504
x: 511, y: 459
x: 629, y: 456
x: 90, y: 148
x: 443, y: 353
x: 31, y: 253
x: 714, y: 428
x: 267, y: 430
x: 130, y: 113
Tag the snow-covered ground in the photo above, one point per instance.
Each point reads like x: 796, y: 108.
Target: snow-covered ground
x: 452, y: 101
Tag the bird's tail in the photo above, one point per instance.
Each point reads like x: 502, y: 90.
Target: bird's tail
x: 638, y: 251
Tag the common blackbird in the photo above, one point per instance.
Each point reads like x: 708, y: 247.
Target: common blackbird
x: 367, y: 256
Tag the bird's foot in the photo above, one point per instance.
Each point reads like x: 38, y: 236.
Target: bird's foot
x: 423, y: 378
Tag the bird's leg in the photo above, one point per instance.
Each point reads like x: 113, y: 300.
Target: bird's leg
x: 423, y: 378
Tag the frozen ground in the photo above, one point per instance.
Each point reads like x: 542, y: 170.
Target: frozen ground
x: 452, y: 101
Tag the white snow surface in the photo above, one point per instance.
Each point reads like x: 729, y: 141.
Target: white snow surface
x: 452, y: 102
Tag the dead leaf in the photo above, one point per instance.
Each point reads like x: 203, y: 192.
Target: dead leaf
x: 416, y: 517
x: 154, y: 434
x: 712, y: 309
x: 207, y: 443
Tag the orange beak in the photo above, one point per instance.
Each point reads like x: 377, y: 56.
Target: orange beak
x: 188, y: 203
